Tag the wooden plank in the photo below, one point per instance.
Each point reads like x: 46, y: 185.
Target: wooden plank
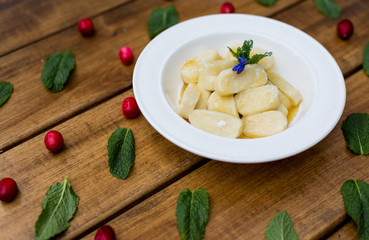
x: 23, y: 22
x: 99, y: 74
x: 244, y: 198
x: 348, y: 54
x: 84, y: 160
x: 347, y: 232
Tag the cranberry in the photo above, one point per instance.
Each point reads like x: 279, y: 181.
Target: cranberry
x: 130, y: 107
x: 345, y: 29
x: 105, y: 233
x: 54, y: 141
x: 126, y: 55
x: 86, y: 27
x: 8, y: 189
x: 227, y: 7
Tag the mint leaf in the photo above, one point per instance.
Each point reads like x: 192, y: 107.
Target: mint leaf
x: 366, y: 59
x: 356, y: 198
x: 192, y: 213
x: 329, y: 8
x: 243, y: 56
x: 356, y: 131
x: 244, y: 51
x: 267, y: 2
x: 161, y: 19
x: 58, y: 208
x: 121, y: 149
x: 257, y: 57
x: 57, y: 69
x: 281, y: 227
x: 6, y: 89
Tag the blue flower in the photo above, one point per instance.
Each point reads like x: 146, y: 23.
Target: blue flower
x: 241, y: 66
x: 242, y: 60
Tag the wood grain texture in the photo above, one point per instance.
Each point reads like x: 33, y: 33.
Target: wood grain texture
x: 98, y: 75
x: 348, y: 232
x: 23, y: 22
x: 348, y: 54
x: 244, y: 198
x: 84, y: 160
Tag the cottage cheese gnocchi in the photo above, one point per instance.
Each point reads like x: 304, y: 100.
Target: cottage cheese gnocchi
x: 254, y: 103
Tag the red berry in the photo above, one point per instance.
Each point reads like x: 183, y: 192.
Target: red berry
x: 86, y: 27
x: 105, y: 233
x: 345, y: 29
x: 227, y: 7
x: 54, y: 141
x: 130, y: 107
x: 8, y: 189
x: 126, y: 55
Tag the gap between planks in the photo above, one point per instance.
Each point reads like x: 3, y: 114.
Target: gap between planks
x: 154, y: 191
x: 20, y: 141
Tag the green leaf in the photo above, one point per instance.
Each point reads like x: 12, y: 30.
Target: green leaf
x: 366, y: 59
x: 257, y: 57
x: 6, y: 89
x: 281, y: 228
x: 58, y: 208
x: 329, y: 8
x: 161, y: 19
x: 267, y: 2
x: 356, y: 131
x: 243, y: 51
x: 57, y: 69
x: 121, y: 149
x: 192, y: 213
x: 356, y: 198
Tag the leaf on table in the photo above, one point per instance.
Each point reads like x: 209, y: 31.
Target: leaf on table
x: 6, y: 89
x: 57, y: 69
x: 356, y: 131
x: 58, y: 208
x: 121, y: 150
x: 267, y: 2
x: 192, y: 213
x: 356, y: 199
x: 161, y: 19
x: 366, y: 59
x: 329, y: 8
x: 281, y: 228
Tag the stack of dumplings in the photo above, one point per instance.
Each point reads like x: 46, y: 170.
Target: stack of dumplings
x: 252, y: 104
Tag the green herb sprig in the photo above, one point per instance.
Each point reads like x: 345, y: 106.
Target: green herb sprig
x: 6, y: 89
x: 355, y: 194
x: 243, y: 56
x: 58, y: 208
x: 121, y: 150
x: 356, y: 132
x: 161, y: 19
x: 192, y: 213
x: 329, y: 8
x: 366, y: 59
x: 281, y: 227
x: 57, y: 69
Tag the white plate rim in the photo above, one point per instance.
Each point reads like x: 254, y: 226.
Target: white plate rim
x: 148, y: 93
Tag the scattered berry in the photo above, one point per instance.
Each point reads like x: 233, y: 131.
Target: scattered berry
x: 8, y: 189
x: 126, y: 55
x: 345, y: 29
x: 86, y: 27
x: 54, y: 141
x: 130, y: 107
x: 105, y: 233
x: 227, y: 7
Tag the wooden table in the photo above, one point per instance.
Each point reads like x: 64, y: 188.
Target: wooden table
x: 243, y: 198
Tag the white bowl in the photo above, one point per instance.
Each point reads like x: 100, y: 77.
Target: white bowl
x: 299, y: 58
